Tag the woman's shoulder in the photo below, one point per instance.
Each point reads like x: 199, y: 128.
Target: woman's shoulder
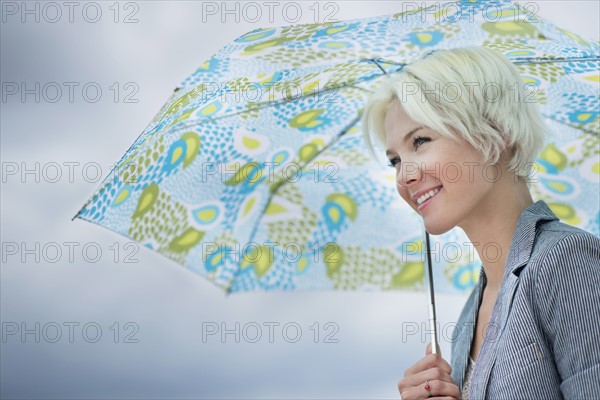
x: 564, y: 255
x: 554, y: 237
x: 559, y: 229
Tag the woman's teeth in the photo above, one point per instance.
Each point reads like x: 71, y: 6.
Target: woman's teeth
x: 427, y: 195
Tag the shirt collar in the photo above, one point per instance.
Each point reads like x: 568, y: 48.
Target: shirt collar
x: 524, y: 234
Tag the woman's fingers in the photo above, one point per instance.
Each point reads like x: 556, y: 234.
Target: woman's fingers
x: 444, y: 389
x: 432, y: 369
x: 420, y: 378
x: 443, y: 364
x: 428, y: 349
x: 427, y: 362
x: 430, y: 374
x: 438, y: 389
x: 439, y: 381
x: 443, y: 398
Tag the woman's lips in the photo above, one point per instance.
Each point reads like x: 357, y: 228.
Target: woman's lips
x: 429, y: 200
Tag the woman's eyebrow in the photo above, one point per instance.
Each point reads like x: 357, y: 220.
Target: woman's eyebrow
x: 412, y: 132
x: 406, y: 138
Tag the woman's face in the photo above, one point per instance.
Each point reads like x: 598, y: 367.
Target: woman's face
x: 428, y: 163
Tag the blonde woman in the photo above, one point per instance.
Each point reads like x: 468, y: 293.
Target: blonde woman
x: 530, y: 328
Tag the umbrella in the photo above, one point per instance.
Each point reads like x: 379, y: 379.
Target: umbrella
x: 254, y: 173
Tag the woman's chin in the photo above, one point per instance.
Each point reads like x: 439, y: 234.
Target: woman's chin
x: 436, y: 229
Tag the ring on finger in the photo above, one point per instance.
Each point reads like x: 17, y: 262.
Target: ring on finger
x: 427, y: 387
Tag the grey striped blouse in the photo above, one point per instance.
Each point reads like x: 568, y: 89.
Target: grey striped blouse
x: 542, y: 340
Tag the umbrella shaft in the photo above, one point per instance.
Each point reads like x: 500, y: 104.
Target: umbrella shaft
x: 432, y: 328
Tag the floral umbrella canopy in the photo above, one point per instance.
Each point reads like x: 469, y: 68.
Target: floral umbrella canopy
x: 254, y: 173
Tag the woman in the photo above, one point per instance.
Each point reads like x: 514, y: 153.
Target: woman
x: 462, y: 139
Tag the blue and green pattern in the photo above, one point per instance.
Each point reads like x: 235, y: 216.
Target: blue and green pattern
x: 254, y: 173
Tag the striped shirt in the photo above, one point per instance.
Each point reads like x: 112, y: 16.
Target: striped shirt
x: 542, y: 338
x: 467, y: 382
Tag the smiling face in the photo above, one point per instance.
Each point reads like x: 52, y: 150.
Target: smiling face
x: 444, y: 180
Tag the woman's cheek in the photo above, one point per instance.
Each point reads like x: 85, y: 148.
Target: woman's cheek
x: 405, y: 195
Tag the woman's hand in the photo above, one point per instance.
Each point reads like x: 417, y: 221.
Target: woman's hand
x: 434, y: 369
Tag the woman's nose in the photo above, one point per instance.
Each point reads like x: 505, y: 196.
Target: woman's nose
x: 408, y: 174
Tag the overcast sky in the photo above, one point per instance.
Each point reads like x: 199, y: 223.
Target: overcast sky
x: 145, y: 327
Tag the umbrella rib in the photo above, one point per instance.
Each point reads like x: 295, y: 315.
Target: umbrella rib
x: 272, y: 104
x: 584, y: 130
x: 186, y: 124
x: 105, y: 181
x: 281, y: 183
x: 543, y: 60
x: 380, y: 67
x: 527, y: 60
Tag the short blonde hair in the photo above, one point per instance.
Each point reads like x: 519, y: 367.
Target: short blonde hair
x: 472, y: 92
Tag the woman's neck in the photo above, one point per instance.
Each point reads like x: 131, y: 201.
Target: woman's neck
x: 491, y: 227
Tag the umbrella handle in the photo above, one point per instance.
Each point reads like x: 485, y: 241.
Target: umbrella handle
x: 432, y: 319
x: 433, y: 330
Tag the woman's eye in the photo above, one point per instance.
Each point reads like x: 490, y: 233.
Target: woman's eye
x: 394, y: 161
x: 419, y: 140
